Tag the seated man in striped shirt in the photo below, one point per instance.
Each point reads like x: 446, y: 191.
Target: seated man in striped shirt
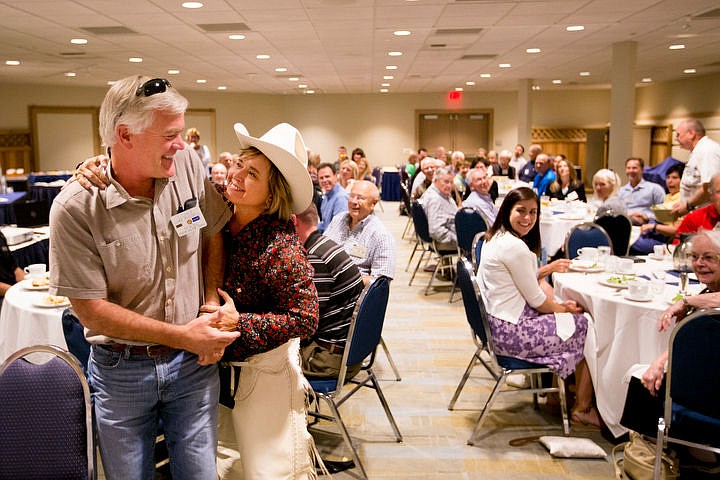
x: 339, y: 284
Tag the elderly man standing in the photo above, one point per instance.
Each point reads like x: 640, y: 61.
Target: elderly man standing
x: 128, y: 257
x: 362, y: 234
x: 479, y: 182
x: 638, y: 194
x: 441, y: 209
x: 335, y: 197
x: 544, y: 176
x: 704, y: 162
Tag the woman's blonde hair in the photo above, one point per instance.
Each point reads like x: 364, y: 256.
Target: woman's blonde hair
x: 353, y: 166
x: 279, y: 202
x: 611, y: 177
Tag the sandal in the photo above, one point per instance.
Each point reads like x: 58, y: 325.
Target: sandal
x: 588, y: 416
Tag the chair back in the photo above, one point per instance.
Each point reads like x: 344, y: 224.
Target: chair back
x: 366, y: 325
x: 405, y: 198
x: 693, y: 376
x: 475, y: 309
x: 619, y: 228
x: 75, y: 338
x: 420, y: 220
x: 468, y: 223
x: 587, y: 234
x: 31, y: 212
x: 477, y: 245
x: 46, y: 417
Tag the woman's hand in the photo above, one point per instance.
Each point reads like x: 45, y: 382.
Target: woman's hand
x: 671, y: 315
x: 571, y: 306
x: 648, y: 227
x: 91, y: 173
x: 560, y: 265
x: 228, y: 316
x: 654, y: 375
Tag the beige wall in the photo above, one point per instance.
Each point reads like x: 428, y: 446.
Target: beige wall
x: 384, y: 125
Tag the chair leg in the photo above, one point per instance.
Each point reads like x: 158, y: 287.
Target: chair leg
x: 563, y: 406
x: 534, y: 384
x: 417, y: 265
x: 390, y: 360
x: 412, y: 255
x: 659, y: 445
x: 346, y: 435
x: 452, y: 291
x: 434, y: 274
x: 406, y: 230
x: 386, y: 407
x: 488, y: 405
x: 464, y: 379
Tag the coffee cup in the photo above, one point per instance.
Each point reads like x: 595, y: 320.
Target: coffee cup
x: 35, y: 270
x: 639, y: 290
x: 588, y: 254
x: 625, y: 266
x: 659, y: 251
x: 604, y: 252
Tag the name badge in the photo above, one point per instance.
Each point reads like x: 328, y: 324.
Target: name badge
x: 358, y: 251
x: 572, y: 196
x: 188, y: 221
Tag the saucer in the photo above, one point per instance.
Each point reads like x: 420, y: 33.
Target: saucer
x: 655, y: 257
x: 627, y: 296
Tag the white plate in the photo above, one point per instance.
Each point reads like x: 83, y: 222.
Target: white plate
x: 605, y: 282
x: 570, y: 217
x: 27, y: 285
x: 627, y: 296
x: 580, y: 268
x: 45, y: 303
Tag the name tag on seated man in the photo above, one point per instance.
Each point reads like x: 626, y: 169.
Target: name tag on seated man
x: 358, y: 251
x: 188, y: 221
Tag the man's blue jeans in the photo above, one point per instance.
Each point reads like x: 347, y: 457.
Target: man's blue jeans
x: 132, y: 392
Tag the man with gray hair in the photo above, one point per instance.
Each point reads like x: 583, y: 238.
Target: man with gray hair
x: 363, y: 235
x: 544, y: 175
x: 441, y: 209
x: 703, y: 163
x: 128, y: 256
x: 479, y: 182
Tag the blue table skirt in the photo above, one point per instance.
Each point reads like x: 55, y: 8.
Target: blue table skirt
x: 391, y: 186
x: 37, y: 252
x: 33, y: 178
x: 7, y: 214
x: 44, y: 193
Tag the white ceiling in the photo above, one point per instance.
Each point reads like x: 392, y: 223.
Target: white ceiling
x: 341, y: 46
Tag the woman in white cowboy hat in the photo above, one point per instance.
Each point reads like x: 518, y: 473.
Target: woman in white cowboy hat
x: 268, y: 279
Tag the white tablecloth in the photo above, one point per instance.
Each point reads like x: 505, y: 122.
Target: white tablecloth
x: 22, y: 324
x: 623, y: 333
x: 555, y: 227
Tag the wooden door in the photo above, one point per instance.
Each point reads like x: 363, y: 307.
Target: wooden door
x: 463, y: 131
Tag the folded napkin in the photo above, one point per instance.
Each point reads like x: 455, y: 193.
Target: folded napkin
x: 675, y: 273
x: 564, y: 325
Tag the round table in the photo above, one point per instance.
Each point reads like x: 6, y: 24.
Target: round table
x: 22, y: 324
x: 623, y: 332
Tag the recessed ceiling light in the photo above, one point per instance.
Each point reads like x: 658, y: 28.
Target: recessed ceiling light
x: 78, y: 41
x: 532, y: 50
x: 504, y: 65
x: 401, y: 33
x: 575, y: 28
x: 262, y: 56
x: 485, y: 75
x: 12, y: 62
x: 384, y: 84
x: 535, y: 87
x: 310, y: 91
x: 395, y: 54
x: 302, y: 85
x: 293, y: 79
x: 459, y: 89
x: 384, y: 90
x: 388, y: 77
x: 391, y: 67
x: 70, y: 74
x: 646, y: 80
x: 236, y: 36
x: 222, y: 87
x: 201, y: 81
x: 470, y: 84
x: 584, y: 74
x: 557, y: 82
x: 689, y: 70
x: 676, y: 46
x: 173, y: 72
x: 192, y: 5
x: 135, y: 59
x: 281, y: 69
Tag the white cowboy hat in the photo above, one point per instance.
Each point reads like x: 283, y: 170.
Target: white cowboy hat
x: 284, y: 147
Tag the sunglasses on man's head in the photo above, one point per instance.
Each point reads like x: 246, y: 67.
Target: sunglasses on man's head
x: 153, y: 86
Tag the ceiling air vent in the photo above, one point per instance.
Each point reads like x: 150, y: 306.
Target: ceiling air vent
x: 73, y: 54
x: 715, y: 13
x: 478, y: 56
x: 458, y: 31
x: 438, y: 45
x: 223, y: 27
x: 109, y: 30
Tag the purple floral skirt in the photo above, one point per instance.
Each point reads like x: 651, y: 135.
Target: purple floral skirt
x: 533, y: 339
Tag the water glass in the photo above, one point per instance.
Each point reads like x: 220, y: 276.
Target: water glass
x: 658, y: 282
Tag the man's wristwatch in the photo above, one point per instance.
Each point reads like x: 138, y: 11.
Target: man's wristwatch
x: 685, y: 302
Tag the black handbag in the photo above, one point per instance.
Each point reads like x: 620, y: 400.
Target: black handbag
x: 229, y: 380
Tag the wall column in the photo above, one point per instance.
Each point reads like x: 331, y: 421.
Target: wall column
x: 622, y: 105
x: 524, y: 115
